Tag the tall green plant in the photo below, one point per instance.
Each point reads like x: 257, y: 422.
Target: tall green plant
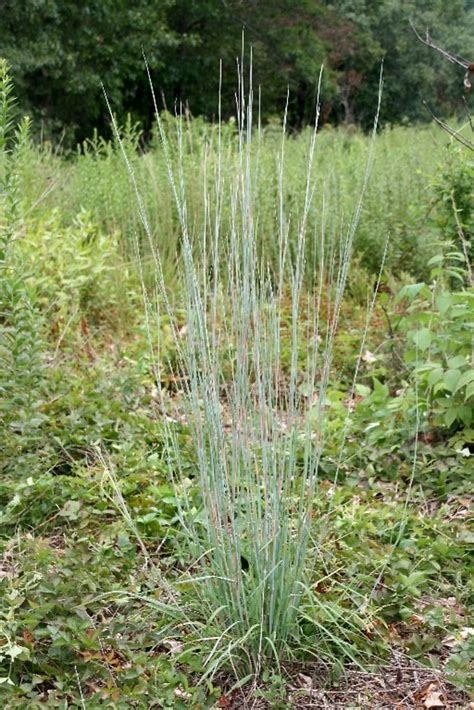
x: 20, y: 339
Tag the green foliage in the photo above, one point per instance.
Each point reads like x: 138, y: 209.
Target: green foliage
x: 396, y: 203
x: 131, y: 449
x: 413, y: 72
x: 454, y: 202
x: 20, y: 325
x: 78, y: 274
x: 61, y: 51
x: 439, y: 327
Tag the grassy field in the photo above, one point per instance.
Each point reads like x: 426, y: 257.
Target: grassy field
x: 236, y: 419
x: 397, y: 200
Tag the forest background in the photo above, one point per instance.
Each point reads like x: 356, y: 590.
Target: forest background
x: 61, y: 50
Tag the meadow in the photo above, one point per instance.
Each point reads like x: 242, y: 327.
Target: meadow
x: 237, y: 389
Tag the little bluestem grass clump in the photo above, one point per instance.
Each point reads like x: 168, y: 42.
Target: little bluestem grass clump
x: 256, y: 414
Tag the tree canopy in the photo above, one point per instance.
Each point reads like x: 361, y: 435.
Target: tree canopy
x: 61, y: 50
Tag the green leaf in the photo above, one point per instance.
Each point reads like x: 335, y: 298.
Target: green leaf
x: 450, y: 416
x: 469, y: 392
x: 123, y: 541
x: 456, y: 255
x: 70, y: 509
x: 410, y: 291
x: 438, y: 259
x: 435, y: 376
x: 415, y: 578
x: 464, y: 413
x: 455, y: 362
x: 14, y: 651
x: 422, y: 338
x: 451, y: 379
x: 465, y: 379
x: 380, y: 389
x: 443, y: 302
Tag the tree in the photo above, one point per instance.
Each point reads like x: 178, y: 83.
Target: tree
x: 61, y: 51
x: 287, y: 53
x: 468, y: 68
x: 410, y: 76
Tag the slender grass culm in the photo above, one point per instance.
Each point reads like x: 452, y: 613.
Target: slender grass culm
x: 254, y: 354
